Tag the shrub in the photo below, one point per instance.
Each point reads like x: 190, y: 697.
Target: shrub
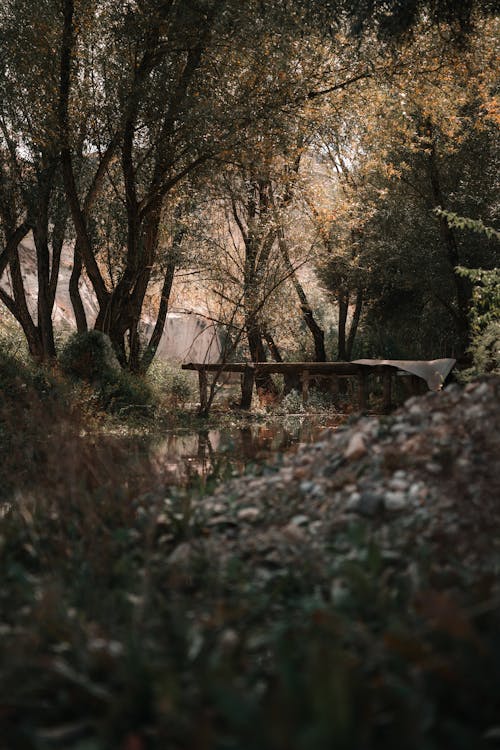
x: 89, y: 356
x: 485, y: 352
x: 291, y: 403
x: 12, y: 341
x: 171, y: 384
x: 126, y: 392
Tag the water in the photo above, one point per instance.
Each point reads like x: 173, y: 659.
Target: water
x: 229, y: 451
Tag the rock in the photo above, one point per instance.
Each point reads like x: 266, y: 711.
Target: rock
x: 415, y: 492
x: 220, y: 521
x: 356, y: 447
x: 369, y: 504
x: 333, y: 465
x: 433, y: 467
x: 398, y: 485
x: 482, y: 390
x: 228, y: 639
x: 248, y: 514
x: 293, y: 533
x: 306, y: 487
x: 395, y: 501
x: 352, y: 503
x: 182, y: 555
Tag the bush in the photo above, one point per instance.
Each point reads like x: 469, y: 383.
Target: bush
x: 485, y: 352
x: 13, y: 342
x: 171, y: 384
x: 126, y: 392
x: 291, y: 403
x: 90, y: 356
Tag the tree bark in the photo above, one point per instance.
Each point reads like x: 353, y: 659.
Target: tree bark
x: 307, y: 314
x: 21, y: 311
x: 45, y: 298
x: 15, y: 237
x: 161, y: 317
x: 353, y: 328
x: 462, y: 286
x: 74, y: 291
x: 343, y: 305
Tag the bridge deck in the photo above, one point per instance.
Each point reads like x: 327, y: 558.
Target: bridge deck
x: 433, y: 372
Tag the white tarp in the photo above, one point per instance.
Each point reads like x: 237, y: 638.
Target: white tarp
x: 434, y: 371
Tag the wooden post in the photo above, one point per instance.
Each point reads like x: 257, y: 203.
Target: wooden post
x: 305, y: 386
x: 247, y: 382
x: 203, y: 383
x: 362, y: 391
x: 387, y: 389
x: 416, y: 385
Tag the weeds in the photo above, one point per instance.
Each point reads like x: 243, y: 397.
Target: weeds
x: 119, y: 631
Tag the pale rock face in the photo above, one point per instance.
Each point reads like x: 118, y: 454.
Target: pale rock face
x: 187, y: 337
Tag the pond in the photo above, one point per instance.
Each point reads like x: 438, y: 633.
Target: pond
x: 184, y: 456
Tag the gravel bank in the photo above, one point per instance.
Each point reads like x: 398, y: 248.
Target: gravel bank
x: 427, y: 475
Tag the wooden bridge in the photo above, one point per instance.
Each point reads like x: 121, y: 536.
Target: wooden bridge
x: 433, y: 372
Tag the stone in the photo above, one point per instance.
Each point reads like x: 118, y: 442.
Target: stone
x: 352, y: 503
x: 415, y: 492
x: 299, y: 520
x: 229, y: 639
x: 482, y: 390
x: 395, y: 501
x: 181, y: 556
x: 433, y: 467
x: 293, y: 533
x: 398, y: 485
x: 306, y: 487
x: 356, y: 447
x: 248, y: 514
x: 370, y: 503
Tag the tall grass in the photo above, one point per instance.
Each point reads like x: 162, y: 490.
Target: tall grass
x: 121, y: 629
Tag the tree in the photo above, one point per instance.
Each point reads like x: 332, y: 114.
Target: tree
x: 437, y: 147
x: 30, y: 189
x: 139, y: 95
x: 173, y: 115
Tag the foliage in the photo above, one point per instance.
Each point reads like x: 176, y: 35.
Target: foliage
x: 171, y: 384
x: 485, y: 351
x: 465, y: 222
x: 127, y: 393
x: 12, y: 341
x: 90, y: 357
x: 112, y: 638
x: 291, y: 403
x: 485, y: 307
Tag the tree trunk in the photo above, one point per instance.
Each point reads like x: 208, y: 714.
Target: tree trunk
x: 20, y: 309
x: 154, y: 341
x: 343, y: 304
x: 41, y: 238
x: 307, y: 314
x: 263, y: 382
x: 462, y: 285
x: 273, y: 348
x: 354, y: 323
x: 74, y: 291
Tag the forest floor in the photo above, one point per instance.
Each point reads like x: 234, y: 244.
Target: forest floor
x: 345, y: 595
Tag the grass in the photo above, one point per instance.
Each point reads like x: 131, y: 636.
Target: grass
x: 112, y: 637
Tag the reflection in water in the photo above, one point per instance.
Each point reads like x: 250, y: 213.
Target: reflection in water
x: 225, y: 452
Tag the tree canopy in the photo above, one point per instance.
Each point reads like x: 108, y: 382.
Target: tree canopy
x: 118, y: 119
